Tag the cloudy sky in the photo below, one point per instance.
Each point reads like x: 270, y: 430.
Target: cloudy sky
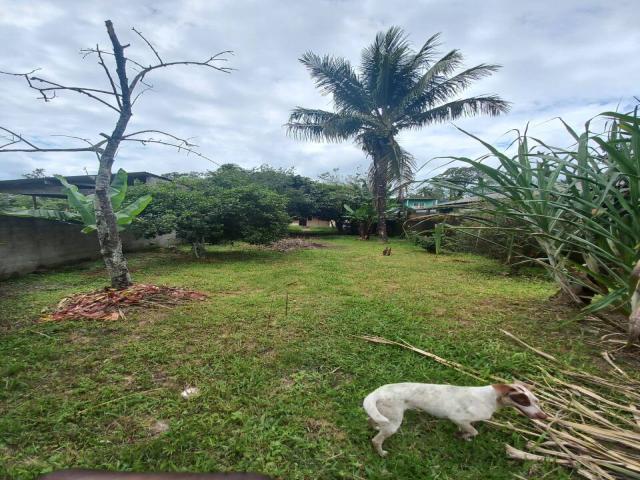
x: 568, y: 58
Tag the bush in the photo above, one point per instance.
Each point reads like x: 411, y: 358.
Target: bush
x: 497, y: 242
x: 579, y: 205
x: 199, y: 213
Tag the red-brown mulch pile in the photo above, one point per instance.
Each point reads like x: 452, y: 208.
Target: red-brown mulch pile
x: 110, y: 304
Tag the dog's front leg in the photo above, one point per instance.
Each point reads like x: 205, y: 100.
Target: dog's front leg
x: 467, y: 432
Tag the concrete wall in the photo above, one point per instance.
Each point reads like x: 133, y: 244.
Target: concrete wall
x: 27, y: 244
x: 314, y: 222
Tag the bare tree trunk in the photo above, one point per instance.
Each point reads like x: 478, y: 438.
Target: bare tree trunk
x: 107, y: 229
x: 106, y: 224
x: 380, y: 196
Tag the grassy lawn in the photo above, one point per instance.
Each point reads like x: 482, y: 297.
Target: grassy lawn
x: 281, y: 394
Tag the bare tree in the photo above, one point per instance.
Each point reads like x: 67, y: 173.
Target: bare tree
x: 120, y: 97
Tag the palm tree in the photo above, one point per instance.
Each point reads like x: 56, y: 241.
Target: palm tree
x: 395, y: 88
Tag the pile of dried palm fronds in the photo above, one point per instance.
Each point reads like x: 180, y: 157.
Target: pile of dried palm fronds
x: 594, y: 422
x: 290, y: 244
x: 110, y: 304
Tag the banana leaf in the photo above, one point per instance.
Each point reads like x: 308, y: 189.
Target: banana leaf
x: 44, y: 213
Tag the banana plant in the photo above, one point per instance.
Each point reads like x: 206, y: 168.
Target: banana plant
x: 364, y: 216
x: 82, y: 207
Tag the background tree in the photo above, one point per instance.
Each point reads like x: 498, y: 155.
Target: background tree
x: 35, y: 173
x: 395, y: 88
x: 459, y: 181
x: 202, y: 212
x: 431, y: 191
x: 121, y: 97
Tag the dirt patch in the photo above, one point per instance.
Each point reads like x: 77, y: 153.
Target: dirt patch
x: 156, y: 427
x: 111, y: 304
x: 292, y: 244
x: 163, y: 379
x: 323, y: 428
x: 80, y: 338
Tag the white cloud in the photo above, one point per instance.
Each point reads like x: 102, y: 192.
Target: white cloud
x: 572, y: 59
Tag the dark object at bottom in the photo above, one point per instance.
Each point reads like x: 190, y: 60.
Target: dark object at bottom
x: 75, y: 474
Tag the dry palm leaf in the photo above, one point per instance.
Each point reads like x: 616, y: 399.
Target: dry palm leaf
x: 594, y: 425
x: 109, y: 303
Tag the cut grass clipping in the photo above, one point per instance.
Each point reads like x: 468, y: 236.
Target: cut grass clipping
x: 593, y: 424
x: 110, y: 304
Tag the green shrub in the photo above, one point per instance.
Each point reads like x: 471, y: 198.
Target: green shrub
x: 199, y: 213
x: 581, y: 207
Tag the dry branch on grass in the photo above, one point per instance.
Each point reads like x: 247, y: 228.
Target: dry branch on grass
x: 110, y: 304
x: 593, y: 426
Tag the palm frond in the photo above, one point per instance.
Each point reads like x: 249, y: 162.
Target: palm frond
x: 383, y: 67
x: 441, y: 89
x: 424, y: 57
x: 481, y: 104
x: 401, y: 165
x: 335, y: 76
x: 443, y: 67
x: 320, y: 125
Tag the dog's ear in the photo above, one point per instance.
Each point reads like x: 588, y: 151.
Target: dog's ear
x: 503, y: 389
x: 528, y: 386
x: 520, y: 399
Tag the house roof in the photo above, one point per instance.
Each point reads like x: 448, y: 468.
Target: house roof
x: 51, y: 187
x: 468, y: 200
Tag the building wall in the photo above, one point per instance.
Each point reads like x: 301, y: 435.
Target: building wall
x: 28, y: 244
x: 316, y: 222
x: 313, y: 222
x: 420, y: 203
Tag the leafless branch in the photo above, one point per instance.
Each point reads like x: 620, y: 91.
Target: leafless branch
x: 122, y: 90
x: 108, y: 73
x: 207, y: 63
x: 53, y: 87
x: 181, y: 145
x: 85, y: 140
x: 155, y: 52
x: 88, y: 51
x: 186, y: 141
x: 17, y: 138
x: 11, y: 142
x: 140, y: 93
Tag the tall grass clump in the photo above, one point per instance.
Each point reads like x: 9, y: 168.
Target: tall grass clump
x: 580, y: 204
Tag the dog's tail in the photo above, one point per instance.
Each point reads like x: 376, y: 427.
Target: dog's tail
x: 371, y: 407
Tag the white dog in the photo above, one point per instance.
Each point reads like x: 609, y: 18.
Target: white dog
x: 462, y: 405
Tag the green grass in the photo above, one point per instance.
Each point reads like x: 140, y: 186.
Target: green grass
x: 280, y: 394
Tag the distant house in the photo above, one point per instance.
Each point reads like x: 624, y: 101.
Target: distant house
x: 28, y: 244
x: 464, y: 202
x: 418, y: 206
x: 313, y: 222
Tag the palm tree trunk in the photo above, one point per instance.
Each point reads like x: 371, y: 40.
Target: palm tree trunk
x: 380, y: 196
